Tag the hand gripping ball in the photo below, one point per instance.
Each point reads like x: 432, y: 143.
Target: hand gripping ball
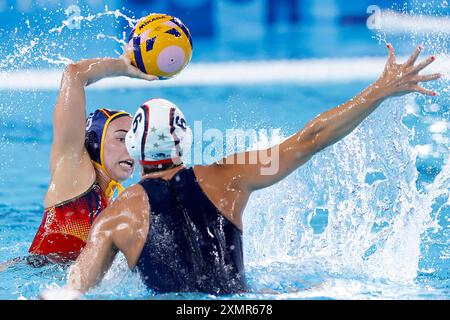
x: 160, y: 45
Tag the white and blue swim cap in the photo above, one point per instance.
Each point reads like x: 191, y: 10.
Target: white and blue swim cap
x: 158, y: 133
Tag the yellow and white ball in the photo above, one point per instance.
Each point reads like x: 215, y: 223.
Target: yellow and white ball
x: 160, y: 45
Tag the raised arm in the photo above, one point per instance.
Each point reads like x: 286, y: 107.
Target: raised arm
x: 69, y: 118
x: 331, y: 126
x: 71, y: 169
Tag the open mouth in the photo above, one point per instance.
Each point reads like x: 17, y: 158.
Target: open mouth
x: 126, y: 164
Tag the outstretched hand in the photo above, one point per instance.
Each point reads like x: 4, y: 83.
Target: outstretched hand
x: 400, y: 79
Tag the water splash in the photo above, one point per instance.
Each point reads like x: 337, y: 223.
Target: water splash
x: 92, y: 17
x: 277, y: 219
x: 52, y: 46
x: 376, y: 232
x: 120, y: 281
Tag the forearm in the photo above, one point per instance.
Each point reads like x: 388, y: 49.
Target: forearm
x: 92, y: 264
x: 324, y: 130
x: 333, y: 125
x: 91, y: 70
x: 396, y: 80
x: 71, y: 104
x: 77, y: 285
x: 70, y: 110
x: 79, y: 281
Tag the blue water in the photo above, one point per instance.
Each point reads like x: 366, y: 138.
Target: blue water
x: 368, y: 218
x: 332, y: 226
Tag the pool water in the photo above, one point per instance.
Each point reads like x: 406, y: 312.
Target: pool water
x: 360, y: 220
x: 367, y: 218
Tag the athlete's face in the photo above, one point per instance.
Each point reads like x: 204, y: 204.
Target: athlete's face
x: 118, y: 162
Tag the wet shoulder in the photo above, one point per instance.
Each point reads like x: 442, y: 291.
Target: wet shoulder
x: 209, y: 174
x: 132, y: 198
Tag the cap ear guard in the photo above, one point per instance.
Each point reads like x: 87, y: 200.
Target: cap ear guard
x: 133, y: 138
x: 186, y: 142
x: 96, y: 126
x: 158, y: 134
x: 94, y: 132
x: 178, y: 129
x: 92, y: 143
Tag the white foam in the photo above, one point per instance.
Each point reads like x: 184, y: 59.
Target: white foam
x: 307, y: 71
x: 439, y: 127
x: 394, y: 22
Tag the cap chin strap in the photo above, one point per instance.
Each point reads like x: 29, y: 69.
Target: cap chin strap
x: 112, y: 185
x: 176, y: 160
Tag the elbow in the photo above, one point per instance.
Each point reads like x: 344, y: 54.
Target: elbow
x: 73, y: 72
x: 317, y: 138
x: 72, y: 69
x: 309, y: 141
x: 317, y: 144
x: 321, y: 137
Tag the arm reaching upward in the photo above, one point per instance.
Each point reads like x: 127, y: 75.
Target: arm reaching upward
x: 331, y: 126
x: 71, y: 169
x: 69, y: 118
